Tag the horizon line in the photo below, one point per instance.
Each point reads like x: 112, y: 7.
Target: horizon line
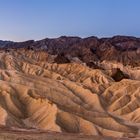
x: 76, y: 36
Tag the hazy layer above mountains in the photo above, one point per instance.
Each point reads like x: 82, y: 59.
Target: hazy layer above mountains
x: 71, y: 85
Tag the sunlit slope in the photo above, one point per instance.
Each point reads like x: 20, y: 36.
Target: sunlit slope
x: 36, y: 93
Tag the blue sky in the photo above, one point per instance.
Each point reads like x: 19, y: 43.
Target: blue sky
x: 36, y: 19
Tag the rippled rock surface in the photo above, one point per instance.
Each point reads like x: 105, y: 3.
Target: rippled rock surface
x: 47, y: 91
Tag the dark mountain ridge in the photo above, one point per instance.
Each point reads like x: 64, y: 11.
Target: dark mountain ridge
x: 124, y: 49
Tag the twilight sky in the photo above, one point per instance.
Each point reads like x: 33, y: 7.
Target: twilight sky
x: 37, y: 19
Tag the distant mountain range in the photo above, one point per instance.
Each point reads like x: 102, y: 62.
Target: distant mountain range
x: 124, y: 49
x: 3, y: 43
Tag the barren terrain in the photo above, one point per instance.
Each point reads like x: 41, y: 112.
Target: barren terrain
x: 70, y: 88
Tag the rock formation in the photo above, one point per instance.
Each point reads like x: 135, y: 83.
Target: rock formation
x: 72, y: 85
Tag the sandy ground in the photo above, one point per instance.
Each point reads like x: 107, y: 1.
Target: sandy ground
x: 42, y: 135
